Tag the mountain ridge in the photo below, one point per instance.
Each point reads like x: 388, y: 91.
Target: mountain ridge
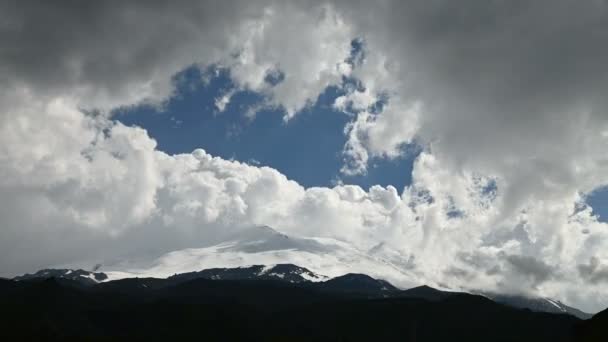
x: 262, y: 309
x: 348, y: 284
x: 274, y: 255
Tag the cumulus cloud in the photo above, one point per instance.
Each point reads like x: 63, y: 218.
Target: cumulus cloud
x: 506, y: 92
x: 505, y: 100
x: 308, y: 46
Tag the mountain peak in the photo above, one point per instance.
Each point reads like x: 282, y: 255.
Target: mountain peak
x: 285, y: 272
x: 425, y: 288
x: 78, y: 275
x: 266, y: 228
x: 362, y: 283
x: 426, y: 292
x: 258, y: 234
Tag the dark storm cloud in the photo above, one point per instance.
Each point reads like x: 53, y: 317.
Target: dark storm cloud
x: 518, y: 50
x: 110, y: 45
x: 502, y: 51
x: 502, y: 78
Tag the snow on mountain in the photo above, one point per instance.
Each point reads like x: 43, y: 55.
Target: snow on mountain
x: 539, y: 304
x: 81, y: 276
x: 264, y: 253
x: 284, y: 272
x: 266, y: 246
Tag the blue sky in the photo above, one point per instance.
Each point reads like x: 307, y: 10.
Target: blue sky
x: 190, y: 120
x: 599, y: 202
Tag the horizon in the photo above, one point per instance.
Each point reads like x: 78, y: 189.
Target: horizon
x: 112, y: 273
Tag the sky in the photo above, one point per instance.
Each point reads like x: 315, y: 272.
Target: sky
x: 306, y: 149
x: 471, y: 135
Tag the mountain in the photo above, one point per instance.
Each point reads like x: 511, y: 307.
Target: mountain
x: 358, y: 284
x: 426, y: 293
x: 79, y: 276
x: 347, y: 284
x: 594, y: 329
x: 262, y: 309
x: 266, y: 246
x: 538, y: 304
x: 6, y: 285
x: 284, y: 272
x: 234, y: 303
x: 262, y: 253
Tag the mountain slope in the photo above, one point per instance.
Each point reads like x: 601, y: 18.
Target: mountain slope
x: 538, y: 304
x: 79, y: 276
x: 358, y: 284
x: 262, y: 253
x: 234, y: 310
x: 284, y: 272
x: 594, y: 329
x: 266, y: 246
x: 426, y: 293
x: 349, y: 284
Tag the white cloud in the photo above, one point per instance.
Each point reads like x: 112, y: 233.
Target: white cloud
x: 223, y: 101
x: 495, y: 96
x: 308, y: 45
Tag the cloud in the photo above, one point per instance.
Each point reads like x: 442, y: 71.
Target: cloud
x: 77, y: 183
x: 537, y: 271
x: 113, y: 54
x: 594, y: 271
x: 505, y: 100
x: 307, y: 45
x: 502, y: 91
x: 520, y: 102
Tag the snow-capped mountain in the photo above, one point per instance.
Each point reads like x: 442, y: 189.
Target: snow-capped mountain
x: 348, y: 284
x: 262, y: 253
x: 266, y: 246
x: 283, y: 272
x: 539, y: 304
x: 352, y: 307
x: 80, y: 276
